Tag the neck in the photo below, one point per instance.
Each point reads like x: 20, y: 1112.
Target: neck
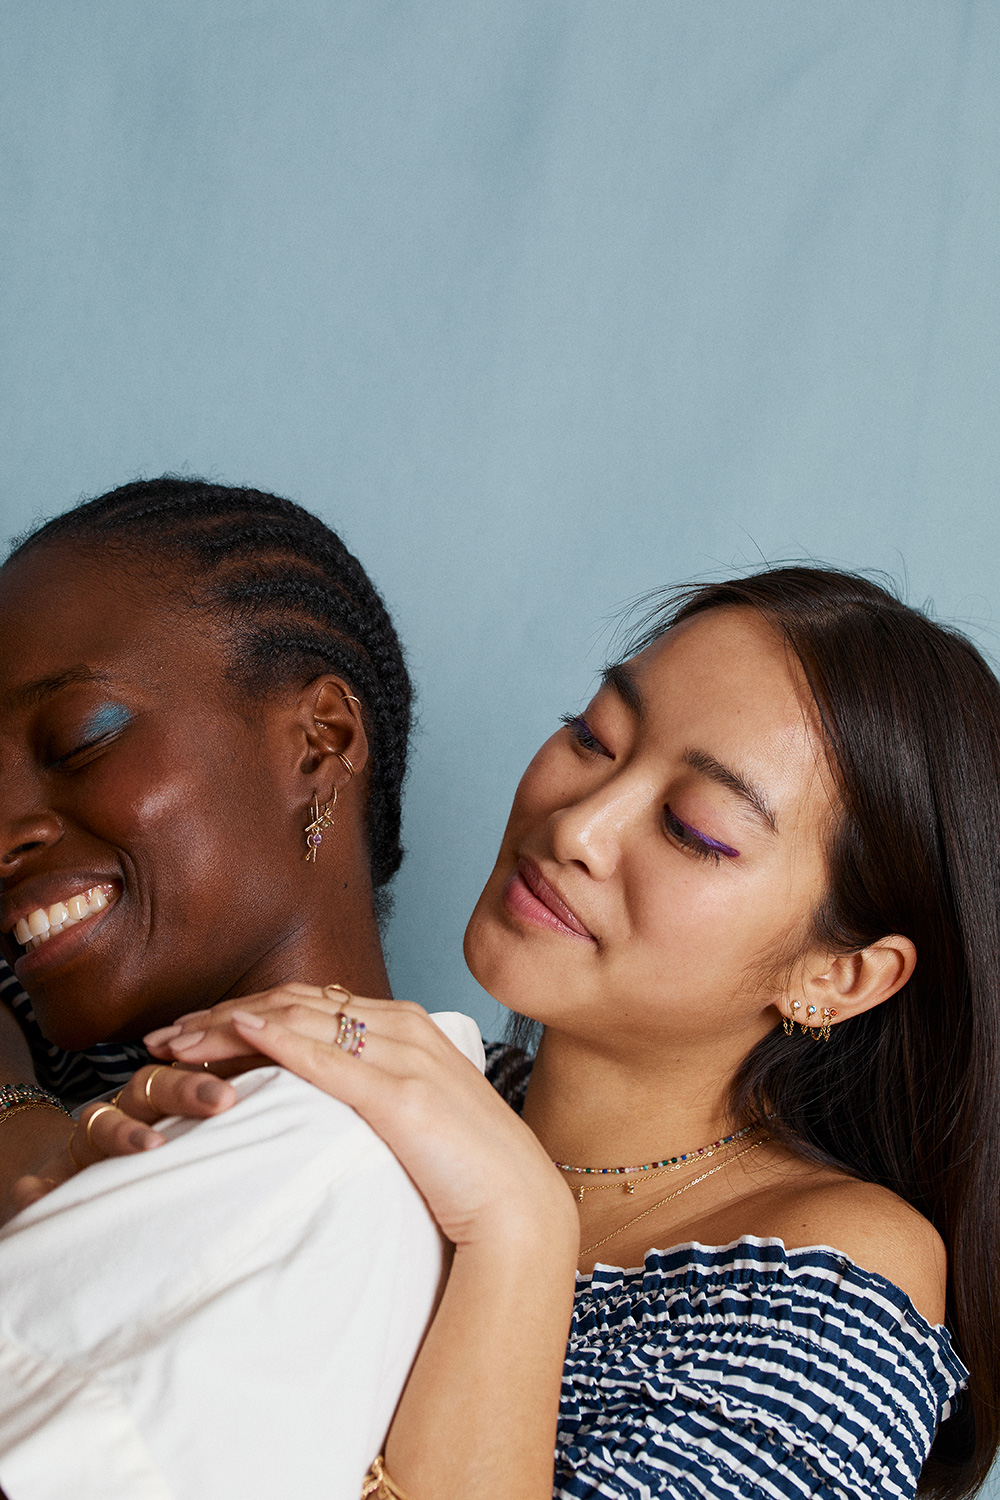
x: 595, y: 1108
x: 339, y: 943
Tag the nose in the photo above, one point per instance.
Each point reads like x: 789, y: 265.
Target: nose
x: 23, y: 836
x: 593, y: 830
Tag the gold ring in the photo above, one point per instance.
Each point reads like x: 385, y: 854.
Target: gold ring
x: 159, y: 1069
x: 339, y: 987
x: 90, y: 1124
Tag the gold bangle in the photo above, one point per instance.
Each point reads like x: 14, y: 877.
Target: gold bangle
x: 378, y: 1485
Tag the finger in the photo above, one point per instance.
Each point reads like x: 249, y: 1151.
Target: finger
x: 30, y: 1189
x: 158, y: 1091
x: 103, y: 1130
x: 314, y: 1058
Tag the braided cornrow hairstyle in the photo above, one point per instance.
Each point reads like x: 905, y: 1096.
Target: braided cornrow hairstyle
x: 293, y: 600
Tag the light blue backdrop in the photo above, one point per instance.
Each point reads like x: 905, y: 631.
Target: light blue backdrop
x: 543, y: 304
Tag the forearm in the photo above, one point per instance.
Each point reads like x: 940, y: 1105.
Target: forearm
x: 478, y: 1418
x: 30, y: 1136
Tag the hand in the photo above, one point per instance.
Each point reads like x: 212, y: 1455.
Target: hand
x: 483, y: 1173
x: 123, y: 1129
x: 209, y: 1035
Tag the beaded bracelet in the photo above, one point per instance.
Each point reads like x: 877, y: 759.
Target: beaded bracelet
x: 16, y: 1097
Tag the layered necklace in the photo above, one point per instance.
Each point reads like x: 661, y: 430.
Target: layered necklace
x: 647, y: 1171
x: 655, y: 1168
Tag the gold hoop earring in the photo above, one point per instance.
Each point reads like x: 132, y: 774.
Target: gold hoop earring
x: 345, y: 762
x: 321, y: 820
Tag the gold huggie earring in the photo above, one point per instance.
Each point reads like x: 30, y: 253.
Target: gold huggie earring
x: 346, y: 763
x: 322, y: 818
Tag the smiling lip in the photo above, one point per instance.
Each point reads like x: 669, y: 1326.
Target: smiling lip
x: 53, y: 947
x: 529, y: 895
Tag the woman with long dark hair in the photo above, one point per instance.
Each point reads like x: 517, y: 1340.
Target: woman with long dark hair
x: 751, y: 897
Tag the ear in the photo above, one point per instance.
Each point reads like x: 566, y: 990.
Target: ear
x: 334, y: 746
x: 849, y: 983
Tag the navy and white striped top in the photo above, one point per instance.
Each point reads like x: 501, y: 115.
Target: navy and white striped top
x: 744, y: 1372
x: 750, y: 1372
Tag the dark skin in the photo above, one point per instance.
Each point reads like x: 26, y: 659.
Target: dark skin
x: 129, y: 761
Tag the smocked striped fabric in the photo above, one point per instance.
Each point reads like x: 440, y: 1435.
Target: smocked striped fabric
x: 74, y: 1076
x: 744, y: 1372
x: 752, y: 1373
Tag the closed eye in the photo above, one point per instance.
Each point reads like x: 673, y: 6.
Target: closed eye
x: 698, y: 843
x: 584, y: 735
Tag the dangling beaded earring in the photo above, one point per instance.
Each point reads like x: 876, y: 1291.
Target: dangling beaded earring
x: 321, y: 820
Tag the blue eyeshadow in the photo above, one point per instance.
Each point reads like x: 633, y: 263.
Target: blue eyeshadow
x: 105, y: 720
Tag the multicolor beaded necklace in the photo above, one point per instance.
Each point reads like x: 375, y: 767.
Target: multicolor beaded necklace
x: 659, y: 1168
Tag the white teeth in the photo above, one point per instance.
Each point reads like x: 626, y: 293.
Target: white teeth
x: 42, y: 923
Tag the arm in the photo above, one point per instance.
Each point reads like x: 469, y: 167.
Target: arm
x: 478, y: 1418
x: 30, y: 1137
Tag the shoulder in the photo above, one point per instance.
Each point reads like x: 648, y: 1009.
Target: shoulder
x: 874, y: 1228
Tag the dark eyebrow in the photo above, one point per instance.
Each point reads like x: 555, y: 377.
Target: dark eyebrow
x: 707, y: 765
x: 625, y: 685
x: 33, y: 693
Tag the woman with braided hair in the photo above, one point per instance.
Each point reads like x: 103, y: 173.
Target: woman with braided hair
x: 204, y: 714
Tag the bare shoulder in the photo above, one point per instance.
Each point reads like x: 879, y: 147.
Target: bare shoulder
x: 872, y: 1227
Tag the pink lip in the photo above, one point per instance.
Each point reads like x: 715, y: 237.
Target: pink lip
x: 529, y: 896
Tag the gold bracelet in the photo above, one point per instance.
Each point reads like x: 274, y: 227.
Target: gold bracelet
x: 18, y: 1109
x: 378, y: 1485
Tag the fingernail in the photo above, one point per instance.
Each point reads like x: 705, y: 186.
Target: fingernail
x: 187, y: 1039
x: 245, y: 1018
x: 145, y: 1140
x: 154, y: 1038
x: 210, y: 1092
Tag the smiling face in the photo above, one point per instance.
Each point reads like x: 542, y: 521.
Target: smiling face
x: 141, y: 815
x: 665, y: 848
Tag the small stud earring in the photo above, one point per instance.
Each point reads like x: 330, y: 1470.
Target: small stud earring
x: 321, y: 820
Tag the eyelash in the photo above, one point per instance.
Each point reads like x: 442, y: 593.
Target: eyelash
x: 91, y: 744
x: 697, y: 843
x: 583, y: 734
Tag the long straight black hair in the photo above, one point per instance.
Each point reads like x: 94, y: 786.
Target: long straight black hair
x: 908, y: 1094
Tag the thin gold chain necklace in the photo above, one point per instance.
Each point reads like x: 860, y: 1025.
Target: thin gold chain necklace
x: 675, y: 1194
